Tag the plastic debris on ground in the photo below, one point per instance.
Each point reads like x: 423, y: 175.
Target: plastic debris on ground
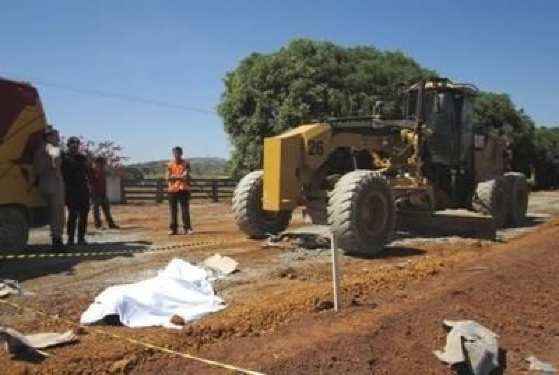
x: 542, y: 367
x: 17, y: 343
x: 180, y: 289
x: 10, y: 287
x: 471, y: 344
x: 222, y: 265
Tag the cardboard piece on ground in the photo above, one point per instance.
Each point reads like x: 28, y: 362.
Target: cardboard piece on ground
x: 17, y: 343
x: 472, y: 342
x: 224, y: 265
x: 9, y: 287
x: 50, y: 339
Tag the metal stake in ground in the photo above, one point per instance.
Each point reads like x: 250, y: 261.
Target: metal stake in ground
x: 335, y: 271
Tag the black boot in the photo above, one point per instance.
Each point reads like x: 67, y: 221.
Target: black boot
x: 58, y: 245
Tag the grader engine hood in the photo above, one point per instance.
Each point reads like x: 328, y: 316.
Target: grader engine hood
x: 288, y: 159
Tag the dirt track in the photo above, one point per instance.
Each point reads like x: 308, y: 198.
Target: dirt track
x: 275, y: 320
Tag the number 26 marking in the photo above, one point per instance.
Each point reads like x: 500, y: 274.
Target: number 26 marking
x: 316, y: 147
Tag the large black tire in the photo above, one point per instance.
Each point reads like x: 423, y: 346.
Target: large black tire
x: 361, y: 212
x: 490, y: 198
x: 247, y: 209
x: 517, y: 193
x: 14, y: 229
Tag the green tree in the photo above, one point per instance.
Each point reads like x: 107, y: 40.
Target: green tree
x: 499, y: 112
x: 546, y: 160
x: 304, y: 81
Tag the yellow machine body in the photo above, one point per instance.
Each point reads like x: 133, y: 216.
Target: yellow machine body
x: 292, y: 159
x: 22, y: 124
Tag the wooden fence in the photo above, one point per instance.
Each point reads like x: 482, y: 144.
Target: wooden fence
x: 155, y: 190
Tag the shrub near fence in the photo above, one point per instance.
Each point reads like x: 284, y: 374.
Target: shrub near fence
x: 156, y: 189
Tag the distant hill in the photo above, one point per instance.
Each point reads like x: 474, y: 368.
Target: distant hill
x: 200, y: 167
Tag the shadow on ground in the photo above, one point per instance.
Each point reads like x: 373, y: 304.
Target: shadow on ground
x: 391, y: 252
x: 29, y: 268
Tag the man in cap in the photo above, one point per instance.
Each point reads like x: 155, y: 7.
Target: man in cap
x: 75, y: 170
x: 178, y: 179
x: 47, y: 163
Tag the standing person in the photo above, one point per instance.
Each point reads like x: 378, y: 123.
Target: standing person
x: 98, y: 187
x: 47, y: 162
x: 178, y: 178
x: 74, y: 170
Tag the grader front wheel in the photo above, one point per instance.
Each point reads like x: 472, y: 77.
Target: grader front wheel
x: 361, y: 212
x: 517, y: 193
x: 248, y: 212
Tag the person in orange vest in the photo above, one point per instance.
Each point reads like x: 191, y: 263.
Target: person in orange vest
x: 178, y: 179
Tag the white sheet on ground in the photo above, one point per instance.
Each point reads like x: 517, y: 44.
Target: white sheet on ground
x: 180, y: 289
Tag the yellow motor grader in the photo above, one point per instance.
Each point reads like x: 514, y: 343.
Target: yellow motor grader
x: 358, y: 173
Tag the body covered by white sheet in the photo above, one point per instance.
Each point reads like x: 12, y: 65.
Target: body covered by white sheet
x: 180, y: 289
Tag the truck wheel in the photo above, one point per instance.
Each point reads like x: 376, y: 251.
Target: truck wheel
x: 248, y: 212
x: 14, y: 229
x: 517, y: 193
x: 490, y: 199
x: 361, y: 212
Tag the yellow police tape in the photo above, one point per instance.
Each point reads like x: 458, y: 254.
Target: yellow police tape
x: 138, y: 342
x: 80, y: 254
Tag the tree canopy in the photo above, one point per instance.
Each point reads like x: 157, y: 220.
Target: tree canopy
x: 499, y: 112
x: 310, y: 80
x: 307, y: 80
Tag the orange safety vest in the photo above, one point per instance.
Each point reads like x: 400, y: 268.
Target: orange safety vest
x: 178, y: 169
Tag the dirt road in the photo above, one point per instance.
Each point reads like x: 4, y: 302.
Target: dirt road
x: 278, y: 320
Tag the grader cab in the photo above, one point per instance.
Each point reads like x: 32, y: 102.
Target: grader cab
x: 358, y: 173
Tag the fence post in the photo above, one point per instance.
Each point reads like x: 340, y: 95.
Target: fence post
x: 215, y: 191
x: 335, y: 271
x: 159, y: 192
x: 123, y: 191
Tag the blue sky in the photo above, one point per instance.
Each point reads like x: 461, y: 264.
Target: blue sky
x: 178, y: 52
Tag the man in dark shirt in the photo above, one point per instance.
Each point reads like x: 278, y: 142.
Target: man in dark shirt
x: 74, y: 170
x: 98, y: 186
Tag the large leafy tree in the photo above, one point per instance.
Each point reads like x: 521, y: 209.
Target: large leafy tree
x: 499, y: 112
x: 304, y: 81
x: 546, y: 160
x: 309, y: 80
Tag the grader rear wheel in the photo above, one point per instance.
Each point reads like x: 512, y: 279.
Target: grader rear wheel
x: 491, y: 198
x: 517, y: 193
x: 361, y: 212
x: 248, y: 212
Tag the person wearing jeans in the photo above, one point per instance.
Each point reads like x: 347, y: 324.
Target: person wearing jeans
x: 98, y: 187
x: 178, y: 190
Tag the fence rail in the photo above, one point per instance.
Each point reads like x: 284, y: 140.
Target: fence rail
x: 156, y: 189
